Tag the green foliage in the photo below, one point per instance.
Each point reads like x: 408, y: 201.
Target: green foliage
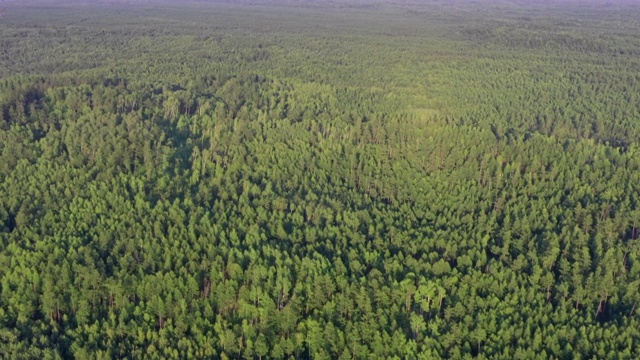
x: 357, y: 181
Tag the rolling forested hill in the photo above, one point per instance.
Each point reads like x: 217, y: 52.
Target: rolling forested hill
x: 319, y: 180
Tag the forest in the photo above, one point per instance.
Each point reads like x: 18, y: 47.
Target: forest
x: 319, y: 180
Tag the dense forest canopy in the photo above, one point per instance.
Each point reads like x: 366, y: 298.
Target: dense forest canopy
x: 319, y: 180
